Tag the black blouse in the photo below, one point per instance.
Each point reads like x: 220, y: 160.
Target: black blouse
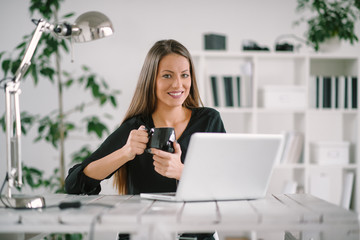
x: 141, y: 176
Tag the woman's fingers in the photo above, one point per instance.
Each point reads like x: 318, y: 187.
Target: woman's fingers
x: 168, y: 164
x: 137, y: 141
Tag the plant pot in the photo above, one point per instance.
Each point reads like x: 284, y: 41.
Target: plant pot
x: 330, y: 45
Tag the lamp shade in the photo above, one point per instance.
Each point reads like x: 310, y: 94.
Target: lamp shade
x: 92, y: 26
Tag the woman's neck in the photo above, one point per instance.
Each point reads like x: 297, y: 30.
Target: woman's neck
x: 171, y: 117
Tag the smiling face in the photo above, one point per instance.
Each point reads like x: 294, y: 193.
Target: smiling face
x: 173, y: 81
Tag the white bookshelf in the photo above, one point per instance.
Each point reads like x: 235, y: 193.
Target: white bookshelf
x: 316, y: 124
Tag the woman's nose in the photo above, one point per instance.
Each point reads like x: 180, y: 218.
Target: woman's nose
x: 177, y: 82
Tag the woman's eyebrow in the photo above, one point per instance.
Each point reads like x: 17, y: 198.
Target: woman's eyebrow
x: 165, y: 70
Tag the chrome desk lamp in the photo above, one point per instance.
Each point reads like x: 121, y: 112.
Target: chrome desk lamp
x: 87, y: 27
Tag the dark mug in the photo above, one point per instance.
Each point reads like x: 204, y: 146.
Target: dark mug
x: 161, y: 138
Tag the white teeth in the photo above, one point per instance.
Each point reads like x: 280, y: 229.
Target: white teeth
x: 175, y: 94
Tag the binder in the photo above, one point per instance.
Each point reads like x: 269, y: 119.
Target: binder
x: 214, y: 90
x: 326, y: 92
x: 238, y: 91
x: 346, y: 92
x: 354, y: 92
x: 347, y: 188
x: 228, y: 86
x: 337, y: 86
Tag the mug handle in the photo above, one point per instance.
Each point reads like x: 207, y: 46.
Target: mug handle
x: 150, y: 133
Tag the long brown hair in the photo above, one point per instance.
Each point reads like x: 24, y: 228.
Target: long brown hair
x: 144, y: 99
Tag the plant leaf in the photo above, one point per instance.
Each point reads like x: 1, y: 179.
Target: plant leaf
x: 1, y: 54
x: 113, y: 100
x: 21, y: 45
x: 95, y: 126
x: 34, y: 73
x: 6, y: 66
x: 68, y: 15
x: 85, y: 68
x: 64, y: 45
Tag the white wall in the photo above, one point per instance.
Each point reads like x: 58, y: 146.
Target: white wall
x: 138, y: 24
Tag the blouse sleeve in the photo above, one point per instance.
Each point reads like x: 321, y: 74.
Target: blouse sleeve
x: 216, y: 124
x: 77, y: 182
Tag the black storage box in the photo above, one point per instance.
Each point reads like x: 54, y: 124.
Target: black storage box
x: 215, y: 42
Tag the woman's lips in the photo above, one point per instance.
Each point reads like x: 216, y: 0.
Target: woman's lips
x: 176, y: 94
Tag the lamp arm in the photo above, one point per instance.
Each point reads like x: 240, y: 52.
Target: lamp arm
x: 12, y: 111
x: 13, y: 137
x: 42, y: 26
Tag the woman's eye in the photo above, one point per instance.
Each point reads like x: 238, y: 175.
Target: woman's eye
x: 185, y: 75
x: 167, y: 76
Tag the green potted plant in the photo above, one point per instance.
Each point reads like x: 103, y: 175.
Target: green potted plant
x: 329, y: 20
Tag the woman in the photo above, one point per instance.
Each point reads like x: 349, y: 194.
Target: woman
x: 166, y: 96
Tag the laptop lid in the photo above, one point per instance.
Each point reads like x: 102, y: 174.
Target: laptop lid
x: 226, y: 166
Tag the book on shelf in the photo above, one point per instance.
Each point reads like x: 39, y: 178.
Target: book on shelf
x: 354, y: 88
x: 343, y: 92
x: 290, y: 187
x: 230, y: 90
x: 217, y: 91
x: 347, y: 189
x: 238, y: 90
x: 326, y: 92
x: 346, y: 86
x: 346, y: 92
x: 333, y: 92
x: 313, y: 90
x: 292, y: 148
x: 321, y: 92
x: 214, y: 91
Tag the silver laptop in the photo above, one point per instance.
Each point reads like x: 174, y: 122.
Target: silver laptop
x: 225, y: 166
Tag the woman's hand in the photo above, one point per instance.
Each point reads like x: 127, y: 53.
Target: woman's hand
x: 168, y: 164
x: 136, y: 142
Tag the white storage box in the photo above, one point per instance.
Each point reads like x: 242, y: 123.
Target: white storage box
x: 284, y: 97
x: 330, y: 152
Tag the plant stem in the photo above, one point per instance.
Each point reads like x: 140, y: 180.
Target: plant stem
x: 61, y: 117
x: 79, y: 108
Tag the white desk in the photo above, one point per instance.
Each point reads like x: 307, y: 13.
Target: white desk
x: 302, y: 215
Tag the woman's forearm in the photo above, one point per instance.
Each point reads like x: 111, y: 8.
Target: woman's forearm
x: 103, y: 167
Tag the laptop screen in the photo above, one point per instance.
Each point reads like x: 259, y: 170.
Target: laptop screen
x: 226, y: 166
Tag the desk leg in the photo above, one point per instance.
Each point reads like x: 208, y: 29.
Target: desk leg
x: 157, y: 232
x: 243, y: 235
x: 105, y: 235
x: 12, y: 236
x: 23, y: 236
x: 335, y: 234
x: 313, y: 235
x: 340, y: 234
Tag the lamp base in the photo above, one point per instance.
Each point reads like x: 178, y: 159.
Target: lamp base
x: 26, y: 201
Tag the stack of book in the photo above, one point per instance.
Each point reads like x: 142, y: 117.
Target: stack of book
x: 339, y: 92
x: 292, y: 148
x: 231, y: 90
